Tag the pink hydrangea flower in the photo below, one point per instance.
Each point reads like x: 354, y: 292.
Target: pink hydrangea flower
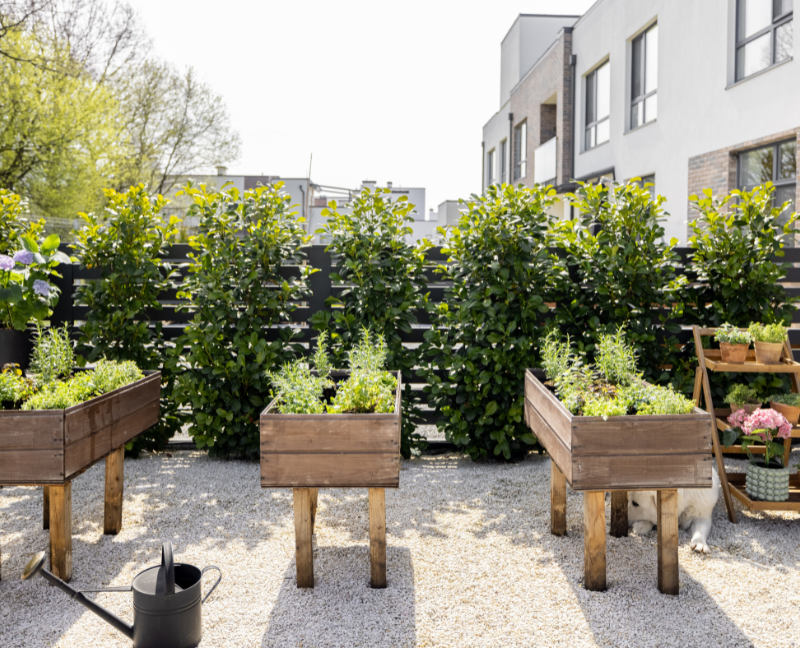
x: 767, y: 424
x: 737, y: 418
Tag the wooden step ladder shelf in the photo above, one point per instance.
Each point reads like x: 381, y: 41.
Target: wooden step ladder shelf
x: 733, y: 483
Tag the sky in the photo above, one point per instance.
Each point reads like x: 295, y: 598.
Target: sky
x: 373, y: 90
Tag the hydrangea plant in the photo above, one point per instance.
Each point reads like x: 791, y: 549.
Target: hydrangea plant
x: 763, y: 426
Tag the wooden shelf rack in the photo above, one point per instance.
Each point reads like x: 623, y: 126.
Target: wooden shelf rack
x: 733, y: 483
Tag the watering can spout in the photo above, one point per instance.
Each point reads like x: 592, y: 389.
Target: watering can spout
x: 36, y: 567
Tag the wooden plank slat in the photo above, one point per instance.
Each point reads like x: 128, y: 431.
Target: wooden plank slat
x: 31, y: 466
x: 558, y: 452
x: 754, y: 367
x: 333, y: 433
x: 31, y: 429
x: 330, y: 470
x: 642, y: 472
x: 551, y: 409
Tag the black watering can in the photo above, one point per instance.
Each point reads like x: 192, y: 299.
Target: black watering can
x: 167, y: 605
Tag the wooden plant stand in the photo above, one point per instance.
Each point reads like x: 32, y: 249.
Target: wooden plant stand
x: 733, y: 483
x: 661, y: 453
x: 307, y: 452
x: 50, y: 448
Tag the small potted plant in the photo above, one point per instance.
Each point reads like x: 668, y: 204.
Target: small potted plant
x: 788, y: 405
x: 733, y: 343
x: 768, y: 340
x: 768, y: 481
x: 743, y: 397
x: 26, y: 295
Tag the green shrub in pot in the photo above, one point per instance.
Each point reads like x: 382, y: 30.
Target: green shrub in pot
x: 788, y: 405
x: 744, y: 397
x: 768, y: 340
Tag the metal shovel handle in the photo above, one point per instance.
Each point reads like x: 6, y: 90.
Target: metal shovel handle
x: 214, y: 586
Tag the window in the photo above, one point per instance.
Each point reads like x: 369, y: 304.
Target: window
x: 644, y: 77
x: 763, y: 35
x: 648, y: 180
x: 503, y: 161
x: 491, y: 168
x: 776, y: 163
x: 520, y: 150
x: 598, y: 106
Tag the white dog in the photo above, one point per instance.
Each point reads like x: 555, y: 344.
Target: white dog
x: 694, y: 511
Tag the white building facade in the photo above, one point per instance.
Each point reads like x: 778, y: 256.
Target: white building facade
x: 684, y: 94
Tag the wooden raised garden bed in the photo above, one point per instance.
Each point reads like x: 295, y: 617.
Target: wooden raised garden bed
x: 661, y: 453
x: 51, y: 447
x: 307, y: 452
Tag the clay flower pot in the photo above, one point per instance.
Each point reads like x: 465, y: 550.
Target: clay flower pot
x: 747, y: 408
x: 767, y: 484
x: 768, y: 352
x: 790, y: 413
x: 733, y: 353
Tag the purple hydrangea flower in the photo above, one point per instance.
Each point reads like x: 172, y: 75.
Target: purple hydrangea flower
x: 6, y: 262
x: 41, y: 288
x: 24, y: 257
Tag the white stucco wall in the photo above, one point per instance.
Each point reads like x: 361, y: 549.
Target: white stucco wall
x: 698, y: 109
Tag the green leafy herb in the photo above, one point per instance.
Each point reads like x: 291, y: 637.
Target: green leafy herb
x: 742, y: 395
x: 732, y: 335
x: 772, y: 333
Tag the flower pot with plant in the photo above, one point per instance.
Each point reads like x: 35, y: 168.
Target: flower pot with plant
x: 788, y: 405
x: 26, y: 294
x: 768, y: 341
x: 743, y: 397
x: 768, y: 481
x: 733, y: 343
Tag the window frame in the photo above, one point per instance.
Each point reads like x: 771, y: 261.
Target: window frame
x: 643, y: 94
x: 520, y: 166
x: 769, y: 29
x: 491, y: 167
x: 596, y: 122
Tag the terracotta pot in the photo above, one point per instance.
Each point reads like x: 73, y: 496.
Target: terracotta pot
x: 15, y: 347
x: 791, y: 413
x: 733, y: 353
x: 747, y: 408
x: 768, y: 352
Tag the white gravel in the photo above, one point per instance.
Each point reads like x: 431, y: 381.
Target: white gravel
x: 470, y: 563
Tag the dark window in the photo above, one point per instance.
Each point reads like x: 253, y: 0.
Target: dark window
x: 491, y: 168
x: 763, y: 35
x: 776, y: 163
x: 503, y: 161
x: 598, y: 106
x: 644, y: 77
x: 520, y: 150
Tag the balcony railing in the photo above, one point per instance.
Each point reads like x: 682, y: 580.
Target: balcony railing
x: 544, y: 161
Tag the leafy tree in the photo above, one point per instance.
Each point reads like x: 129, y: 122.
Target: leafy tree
x: 487, y: 332
x: 124, y: 241
x: 386, y: 288
x: 616, y: 251
x: 242, y: 307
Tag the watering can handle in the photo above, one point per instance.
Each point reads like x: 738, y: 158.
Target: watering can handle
x: 165, y: 581
x: 214, y: 586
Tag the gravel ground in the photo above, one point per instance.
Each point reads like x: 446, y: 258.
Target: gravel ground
x: 470, y: 563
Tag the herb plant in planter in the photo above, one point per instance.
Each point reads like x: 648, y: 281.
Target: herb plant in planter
x: 743, y: 397
x: 329, y: 429
x: 770, y: 480
x: 56, y: 423
x: 733, y: 343
x: 788, y: 405
x: 768, y: 340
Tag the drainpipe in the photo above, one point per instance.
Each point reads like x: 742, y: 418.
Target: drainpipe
x: 511, y: 149
x: 483, y: 166
x: 303, y: 212
x: 573, y: 60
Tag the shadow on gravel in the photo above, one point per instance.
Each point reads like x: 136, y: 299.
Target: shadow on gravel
x: 342, y: 609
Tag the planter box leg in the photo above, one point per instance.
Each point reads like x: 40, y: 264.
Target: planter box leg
x: 594, y: 540
x: 558, y: 500
x: 667, y: 502
x: 377, y: 537
x: 314, y: 497
x: 619, y: 514
x: 115, y: 471
x: 304, y: 555
x: 61, y: 531
x: 46, y: 508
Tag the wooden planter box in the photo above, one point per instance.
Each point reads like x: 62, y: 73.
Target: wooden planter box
x: 624, y: 452
x: 307, y: 452
x: 661, y: 453
x: 51, y: 447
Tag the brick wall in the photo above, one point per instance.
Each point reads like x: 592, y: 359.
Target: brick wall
x: 717, y: 169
